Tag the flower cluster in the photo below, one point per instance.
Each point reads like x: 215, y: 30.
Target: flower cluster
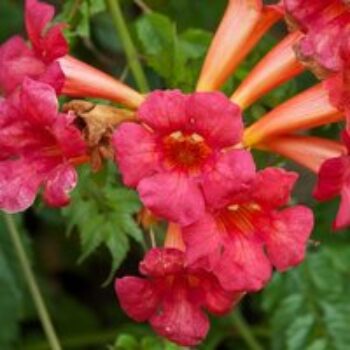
x: 39, y: 145
x: 188, y: 155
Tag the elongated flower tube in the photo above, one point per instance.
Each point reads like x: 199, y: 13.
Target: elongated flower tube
x: 244, y: 23
x: 84, y: 80
x: 307, y: 151
x: 278, y: 66
x: 308, y: 109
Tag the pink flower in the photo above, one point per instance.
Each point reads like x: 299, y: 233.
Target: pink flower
x: 39, y: 146
x: 338, y: 84
x: 178, y: 155
x: 241, y: 237
x: 173, y: 297
x: 326, y: 24
x: 39, y: 61
x: 334, y: 180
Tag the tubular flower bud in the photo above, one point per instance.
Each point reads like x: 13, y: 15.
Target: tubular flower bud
x: 83, y: 80
x: 234, y: 39
x: 309, y: 109
x: 307, y: 151
x: 278, y: 66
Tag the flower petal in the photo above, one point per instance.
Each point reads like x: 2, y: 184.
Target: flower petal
x: 181, y: 320
x: 59, y: 183
x: 19, y: 184
x: 273, y: 186
x: 164, y: 111
x: 232, y: 173
x: 204, y: 242
x: 37, y: 16
x: 135, y: 152
x: 16, y: 62
x: 217, y: 300
x: 173, y: 197
x: 286, y: 239
x: 160, y: 262
x: 343, y: 217
x: 215, y: 118
x: 137, y: 297
x: 39, y: 102
x: 243, y: 266
x: 331, y: 178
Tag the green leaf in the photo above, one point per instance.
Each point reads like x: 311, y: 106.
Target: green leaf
x: 103, y: 214
x: 298, y: 332
x: 175, y: 57
x: 308, y: 307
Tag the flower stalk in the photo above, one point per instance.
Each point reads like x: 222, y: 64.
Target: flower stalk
x: 129, y: 47
x: 243, y: 329
x: 32, y: 284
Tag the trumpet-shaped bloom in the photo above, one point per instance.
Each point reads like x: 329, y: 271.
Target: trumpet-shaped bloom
x: 178, y: 156
x: 173, y: 297
x: 18, y: 60
x: 326, y: 24
x: 39, y: 146
x: 334, y: 180
x: 243, y: 236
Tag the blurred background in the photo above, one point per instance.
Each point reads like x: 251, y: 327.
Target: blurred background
x: 77, y: 252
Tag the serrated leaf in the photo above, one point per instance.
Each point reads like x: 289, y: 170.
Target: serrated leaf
x: 175, y: 57
x: 319, y: 344
x: 337, y: 322
x: 310, y: 302
x: 298, y: 332
x: 104, y: 214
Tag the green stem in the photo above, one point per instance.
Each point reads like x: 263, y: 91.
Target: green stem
x: 244, y: 330
x: 129, y: 47
x: 32, y: 285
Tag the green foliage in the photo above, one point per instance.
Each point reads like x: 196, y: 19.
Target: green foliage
x: 103, y: 212
x: 308, y: 306
x: 175, y: 57
x: 77, y: 14
x: 130, y: 342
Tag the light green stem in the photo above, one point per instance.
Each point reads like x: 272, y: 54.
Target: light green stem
x: 243, y: 329
x: 32, y: 285
x: 129, y: 47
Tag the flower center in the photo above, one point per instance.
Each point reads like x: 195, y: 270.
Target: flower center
x: 188, y: 152
x: 240, y: 217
